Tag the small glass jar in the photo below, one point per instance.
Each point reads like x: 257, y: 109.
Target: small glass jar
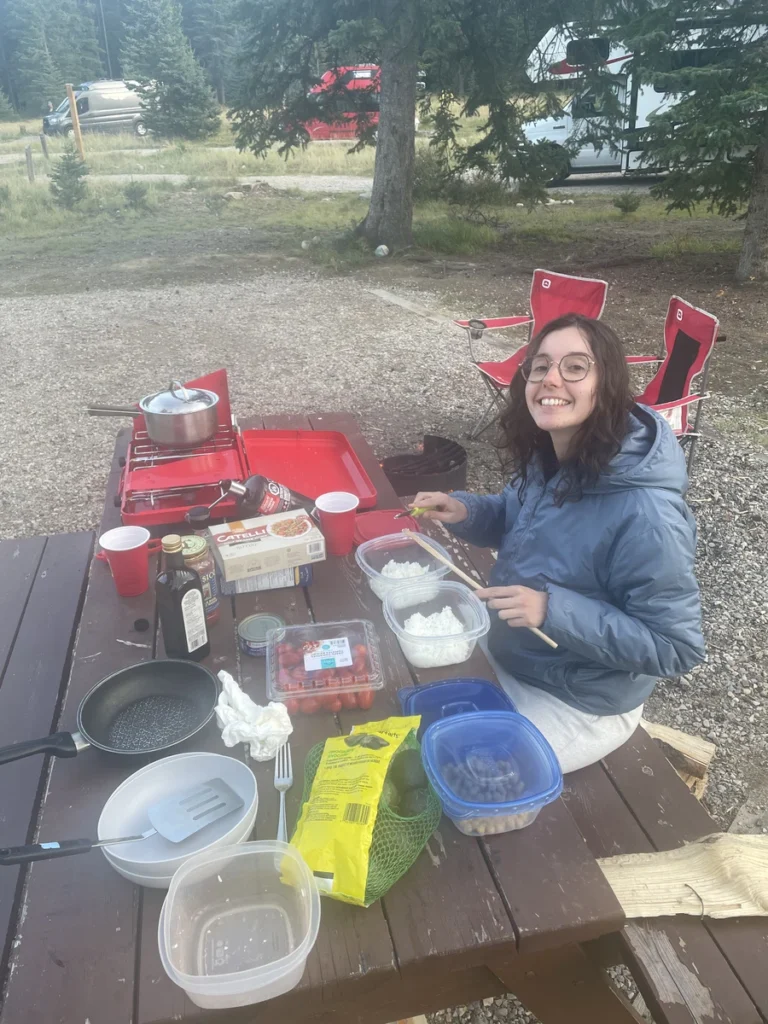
x: 197, y: 555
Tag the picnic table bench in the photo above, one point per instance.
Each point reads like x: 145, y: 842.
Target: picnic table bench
x: 528, y: 912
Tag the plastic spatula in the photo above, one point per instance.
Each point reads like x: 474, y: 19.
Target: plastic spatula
x: 175, y: 819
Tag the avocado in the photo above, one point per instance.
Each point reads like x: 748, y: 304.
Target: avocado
x: 407, y: 772
x: 413, y: 803
x: 390, y: 795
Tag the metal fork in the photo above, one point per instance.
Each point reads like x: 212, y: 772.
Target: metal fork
x: 283, y: 782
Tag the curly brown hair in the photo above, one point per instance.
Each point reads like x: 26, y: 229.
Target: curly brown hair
x: 599, y: 437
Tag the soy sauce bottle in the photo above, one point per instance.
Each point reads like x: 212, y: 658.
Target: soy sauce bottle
x: 180, y: 603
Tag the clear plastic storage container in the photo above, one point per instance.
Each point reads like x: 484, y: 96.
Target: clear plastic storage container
x: 324, y: 666
x: 452, y: 697
x: 237, y: 925
x: 436, y: 624
x: 393, y: 561
x: 492, y: 770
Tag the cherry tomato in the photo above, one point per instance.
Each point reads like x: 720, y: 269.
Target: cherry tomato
x: 284, y: 679
x: 345, y: 677
x: 361, y: 678
x: 325, y: 676
x: 333, y: 704
x: 365, y: 699
x: 309, y: 705
x: 360, y: 651
x: 292, y: 705
x: 348, y: 701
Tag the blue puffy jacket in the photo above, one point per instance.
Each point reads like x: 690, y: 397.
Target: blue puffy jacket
x: 617, y: 566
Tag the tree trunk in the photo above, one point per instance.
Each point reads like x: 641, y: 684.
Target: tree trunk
x: 753, y: 261
x: 390, y: 215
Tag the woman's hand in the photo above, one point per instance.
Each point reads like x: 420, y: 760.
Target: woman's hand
x: 518, y: 606
x: 440, y: 507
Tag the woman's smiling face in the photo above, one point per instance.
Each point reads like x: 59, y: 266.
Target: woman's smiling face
x: 560, y: 406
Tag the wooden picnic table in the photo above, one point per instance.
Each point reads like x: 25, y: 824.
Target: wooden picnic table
x: 528, y: 911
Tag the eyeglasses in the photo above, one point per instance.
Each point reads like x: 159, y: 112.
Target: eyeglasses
x: 575, y: 366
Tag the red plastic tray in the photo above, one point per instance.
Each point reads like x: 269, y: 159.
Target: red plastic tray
x: 311, y: 462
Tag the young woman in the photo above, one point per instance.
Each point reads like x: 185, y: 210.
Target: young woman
x: 595, y: 545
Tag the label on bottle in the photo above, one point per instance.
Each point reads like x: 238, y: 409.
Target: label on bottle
x: 210, y: 591
x: 276, y: 498
x: 193, y: 614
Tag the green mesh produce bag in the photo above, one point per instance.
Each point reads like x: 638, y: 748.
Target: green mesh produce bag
x: 396, y: 842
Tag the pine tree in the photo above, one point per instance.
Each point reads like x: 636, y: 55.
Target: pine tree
x: 7, y: 113
x: 158, y: 56
x: 68, y: 185
x: 212, y: 29
x: 711, y: 61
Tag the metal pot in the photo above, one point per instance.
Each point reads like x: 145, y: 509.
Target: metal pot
x: 177, y: 417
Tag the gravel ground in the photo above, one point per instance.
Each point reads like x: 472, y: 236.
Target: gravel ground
x: 297, y: 341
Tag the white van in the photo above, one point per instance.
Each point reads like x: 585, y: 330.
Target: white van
x: 560, y: 56
x: 101, y: 106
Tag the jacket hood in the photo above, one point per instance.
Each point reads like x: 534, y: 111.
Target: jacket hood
x: 650, y: 457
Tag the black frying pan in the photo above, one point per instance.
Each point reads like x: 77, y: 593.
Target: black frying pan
x: 144, y: 709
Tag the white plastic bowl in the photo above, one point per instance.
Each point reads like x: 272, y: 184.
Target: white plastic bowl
x: 125, y: 814
x: 374, y: 554
x: 426, y: 599
x: 237, y: 925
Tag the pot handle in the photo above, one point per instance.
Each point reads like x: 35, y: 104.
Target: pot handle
x: 112, y: 410
x: 60, y: 744
x: 175, y: 386
x: 43, y: 851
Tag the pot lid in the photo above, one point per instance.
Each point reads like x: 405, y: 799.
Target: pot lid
x: 177, y: 399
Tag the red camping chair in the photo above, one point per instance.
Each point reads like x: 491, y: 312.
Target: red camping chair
x: 552, y: 295
x: 689, y: 337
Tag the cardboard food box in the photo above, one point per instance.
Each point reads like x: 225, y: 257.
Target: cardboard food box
x: 266, y: 544
x: 299, y: 576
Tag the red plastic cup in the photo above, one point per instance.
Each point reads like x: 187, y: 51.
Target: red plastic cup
x: 336, y: 510
x: 127, y: 550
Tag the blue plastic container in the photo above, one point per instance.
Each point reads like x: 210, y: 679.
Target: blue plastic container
x: 452, y: 697
x: 492, y: 770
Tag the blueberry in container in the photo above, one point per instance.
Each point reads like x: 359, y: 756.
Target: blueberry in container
x: 452, y: 697
x: 493, y: 771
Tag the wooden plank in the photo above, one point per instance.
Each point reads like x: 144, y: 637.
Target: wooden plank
x: 670, y: 816
x: 77, y: 948
x: 19, y: 560
x: 678, y: 967
x: 687, y: 753
x: 30, y: 694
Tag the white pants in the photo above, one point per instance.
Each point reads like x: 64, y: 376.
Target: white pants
x: 577, y: 737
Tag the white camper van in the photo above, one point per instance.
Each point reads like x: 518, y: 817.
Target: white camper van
x: 101, y: 106
x: 561, y: 57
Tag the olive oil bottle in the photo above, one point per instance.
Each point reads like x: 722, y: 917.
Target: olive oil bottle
x: 179, y: 592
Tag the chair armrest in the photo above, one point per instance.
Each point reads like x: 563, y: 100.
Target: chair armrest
x: 497, y: 323
x: 680, y: 402
x: 645, y: 359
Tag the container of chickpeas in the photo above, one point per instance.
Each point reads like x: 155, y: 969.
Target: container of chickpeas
x: 492, y: 770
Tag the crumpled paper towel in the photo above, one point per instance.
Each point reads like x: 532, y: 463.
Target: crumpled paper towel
x: 242, y: 721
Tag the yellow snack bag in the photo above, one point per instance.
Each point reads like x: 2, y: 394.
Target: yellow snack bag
x: 338, y: 818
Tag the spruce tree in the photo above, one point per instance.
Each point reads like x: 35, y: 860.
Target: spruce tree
x: 158, y: 56
x: 68, y: 185
x: 212, y: 29
x: 7, y: 113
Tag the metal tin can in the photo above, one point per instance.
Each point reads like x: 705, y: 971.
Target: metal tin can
x: 252, y: 633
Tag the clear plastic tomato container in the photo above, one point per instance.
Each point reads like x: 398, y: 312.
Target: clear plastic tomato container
x: 324, y: 666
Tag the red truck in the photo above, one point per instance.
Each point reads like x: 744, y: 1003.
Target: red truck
x: 329, y: 94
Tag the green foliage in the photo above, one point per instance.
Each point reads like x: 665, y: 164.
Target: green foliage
x: 431, y: 174
x: 5, y: 196
x: 136, y: 193
x: 627, y: 202
x: 50, y: 42
x: 68, y: 185
x: 158, y: 56
x: 7, y: 113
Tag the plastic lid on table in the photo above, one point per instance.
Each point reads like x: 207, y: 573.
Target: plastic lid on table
x: 369, y: 525
x: 255, y: 627
x: 447, y: 697
x: 489, y: 763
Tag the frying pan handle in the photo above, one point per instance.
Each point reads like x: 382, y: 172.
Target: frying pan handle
x: 43, y: 851
x: 60, y: 744
x: 113, y: 410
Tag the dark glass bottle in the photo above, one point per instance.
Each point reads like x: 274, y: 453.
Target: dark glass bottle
x: 180, y: 604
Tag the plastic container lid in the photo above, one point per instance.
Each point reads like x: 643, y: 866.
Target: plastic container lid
x: 238, y: 924
x: 490, y: 763
x: 322, y: 659
x: 426, y: 598
x: 254, y: 629
x: 369, y: 525
x: 452, y: 697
